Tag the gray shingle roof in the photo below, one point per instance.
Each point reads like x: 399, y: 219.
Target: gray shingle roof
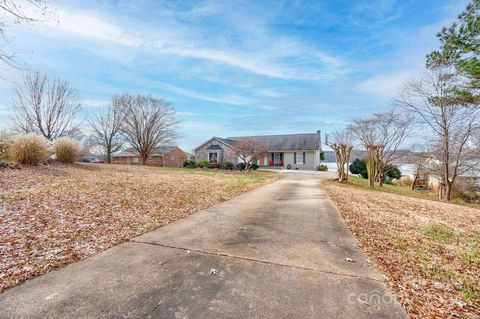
x: 286, y: 142
x: 214, y: 147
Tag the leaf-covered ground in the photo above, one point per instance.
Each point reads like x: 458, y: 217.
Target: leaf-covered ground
x: 57, y: 214
x: 429, y: 251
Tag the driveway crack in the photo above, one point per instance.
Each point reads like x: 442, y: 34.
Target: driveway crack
x: 256, y: 260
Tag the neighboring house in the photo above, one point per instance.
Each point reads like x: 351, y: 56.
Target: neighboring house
x: 291, y: 151
x: 470, y: 173
x: 168, y: 156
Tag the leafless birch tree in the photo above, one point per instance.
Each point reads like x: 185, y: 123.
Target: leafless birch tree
x: 107, y: 127
x: 45, y: 105
x: 452, y: 121
x: 149, y: 122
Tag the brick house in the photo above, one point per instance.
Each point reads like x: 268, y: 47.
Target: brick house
x: 166, y: 156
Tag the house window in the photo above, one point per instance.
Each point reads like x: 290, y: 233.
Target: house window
x: 135, y: 159
x: 299, y: 158
x: 212, y: 157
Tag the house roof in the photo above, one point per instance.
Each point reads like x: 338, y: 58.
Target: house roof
x: 214, y: 147
x: 158, y: 151
x: 285, y: 142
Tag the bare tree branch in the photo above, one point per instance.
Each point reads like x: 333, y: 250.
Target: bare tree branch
x: 107, y: 127
x: 18, y: 12
x: 454, y: 123
x: 249, y: 150
x: 149, y: 122
x: 381, y: 135
x: 342, y: 145
x: 45, y: 105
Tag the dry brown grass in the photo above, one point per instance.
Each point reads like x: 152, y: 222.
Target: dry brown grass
x: 28, y: 149
x: 429, y: 251
x: 57, y: 214
x: 66, y: 150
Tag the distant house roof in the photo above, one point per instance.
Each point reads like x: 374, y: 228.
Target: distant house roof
x: 158, y: 151
x: 331, y: 157
x: 285, y: 142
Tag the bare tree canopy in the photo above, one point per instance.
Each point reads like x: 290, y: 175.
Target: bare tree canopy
x: 18, y: 11
x: 382, y: 136
x: 149, y: 123
x: 249, y: 150
x: 342, y: 145
x: 453, y: 123
x: 107, y: 127
x: 45, y: 105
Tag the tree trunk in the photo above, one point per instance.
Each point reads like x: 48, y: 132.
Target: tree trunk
x: 144, y: 158
x: 371, y: 164
x: 448, y: 191
x: 415, y: 179
x: 109, y: 157
x: 381, y: 176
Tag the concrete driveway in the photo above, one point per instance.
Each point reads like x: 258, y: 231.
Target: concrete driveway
x: 280, y: 251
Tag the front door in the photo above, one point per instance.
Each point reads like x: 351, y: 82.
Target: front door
x: 276, y: 158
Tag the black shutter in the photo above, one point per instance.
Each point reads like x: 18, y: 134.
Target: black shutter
x: 304, y: 158
x: 294, y: 157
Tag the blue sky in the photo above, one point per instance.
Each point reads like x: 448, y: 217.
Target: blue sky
x: 235, y: 67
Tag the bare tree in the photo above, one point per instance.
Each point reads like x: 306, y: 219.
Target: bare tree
x: 18, y: 12
x: 45, y: 105
x: 249, y: 150
x: 342, y: 146
x: 149, y: 122
x: 453, y: 122
x: 381, y: 135
x: 107, y: 127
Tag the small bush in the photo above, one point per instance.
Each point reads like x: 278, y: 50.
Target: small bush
x: 359, y: 167
x: 202, y: 164
x: 228, y: 165
x: 214, y: 165
x: 29, y: 149
x: 392, y: 171
x: 404, y: 181
x: 254, y: 166
x: 388, y: 181
x: 189, y: 164
x: 241, y: 166
x: 322, y: 168
x: 67, y: 150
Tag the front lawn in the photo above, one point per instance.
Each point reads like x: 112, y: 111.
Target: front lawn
x: 57, y: 214
x: 428, y: 250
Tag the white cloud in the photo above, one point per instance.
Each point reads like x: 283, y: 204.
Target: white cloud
x: 386, y: 85
x: 263, y: 54
x: 231, y: 99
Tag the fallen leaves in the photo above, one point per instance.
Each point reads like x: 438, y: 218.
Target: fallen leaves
x: 53, y: 215
x: 428, y: 251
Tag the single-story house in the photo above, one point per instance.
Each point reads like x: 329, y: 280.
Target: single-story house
x: 168, y: 156
x: 291, y: 151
